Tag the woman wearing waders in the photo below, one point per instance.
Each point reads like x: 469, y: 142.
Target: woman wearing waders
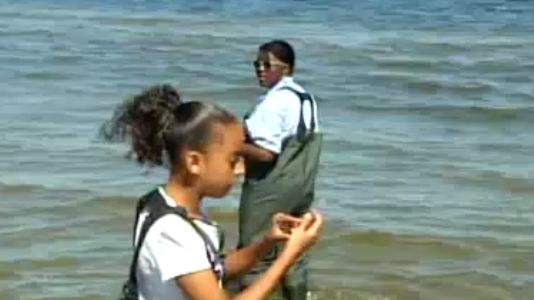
x: 282, y: 157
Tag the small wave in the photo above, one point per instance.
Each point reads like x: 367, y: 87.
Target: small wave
x: 7, y: 271
x: 58, y: 262
x: 141, y: 20
x: 464, y: 88
x: 20, y: 188
x: 65, y: 58
x: 484, y: 283
x: 331, y: 293
x: 454, y: 41
x: 43, y: 75
x: 23, y: 188
x: 122, y: 205
x: 409, y: 63
x: 25, y: 33
x: 464, y: 113
x: 435, y: 245
x: 495, y: 179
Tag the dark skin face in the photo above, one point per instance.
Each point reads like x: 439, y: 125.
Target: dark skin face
x: 269, y: 69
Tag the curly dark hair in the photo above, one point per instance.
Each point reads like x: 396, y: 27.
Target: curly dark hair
x: 158, y: 122
x: 142, y: 118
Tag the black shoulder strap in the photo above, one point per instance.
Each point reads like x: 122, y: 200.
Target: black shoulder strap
x: 304, y: 97
x: 207, y: 241
x: 157, y: 208
x: 140, y: 205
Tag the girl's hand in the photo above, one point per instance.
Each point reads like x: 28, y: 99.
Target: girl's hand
x: 282, y: 227
x: 305, y: 234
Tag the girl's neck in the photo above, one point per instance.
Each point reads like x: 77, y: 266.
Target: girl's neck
x: 184, y: 196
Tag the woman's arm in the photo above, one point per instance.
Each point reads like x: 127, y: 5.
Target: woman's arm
x: 257, y: 153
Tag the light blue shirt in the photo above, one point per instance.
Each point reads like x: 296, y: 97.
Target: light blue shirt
x: 276, y: 117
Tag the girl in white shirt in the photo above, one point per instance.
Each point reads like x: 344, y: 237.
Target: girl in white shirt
x: 202, y: 143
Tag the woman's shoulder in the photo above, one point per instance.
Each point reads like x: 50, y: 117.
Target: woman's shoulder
x: 283, y: 95
x: 289, y: 83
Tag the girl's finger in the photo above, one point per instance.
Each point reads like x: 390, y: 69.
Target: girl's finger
x: 306, y: 223
x: 318, y: 223
x: 281, y: 217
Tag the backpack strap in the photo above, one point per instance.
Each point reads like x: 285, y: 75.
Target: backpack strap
x: 129, y: 289
x: 217, y: 260
x: 157, y: 208
x: 140, y: 205
x: 301, y: 129
x: 156, y: 211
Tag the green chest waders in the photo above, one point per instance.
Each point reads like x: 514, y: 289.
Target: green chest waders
x: 287, y: 186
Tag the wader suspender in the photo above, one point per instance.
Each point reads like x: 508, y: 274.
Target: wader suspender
x: 301, y: 128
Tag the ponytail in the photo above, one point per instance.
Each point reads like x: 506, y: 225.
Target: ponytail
x: 158, y: 123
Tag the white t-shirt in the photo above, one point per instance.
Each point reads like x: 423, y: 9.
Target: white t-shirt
x: 172, y: 248
x: 277, y: 115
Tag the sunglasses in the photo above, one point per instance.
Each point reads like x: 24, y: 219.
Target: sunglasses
x: 266, y: 65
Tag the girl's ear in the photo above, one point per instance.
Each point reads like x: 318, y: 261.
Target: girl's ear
x: 193, y: 162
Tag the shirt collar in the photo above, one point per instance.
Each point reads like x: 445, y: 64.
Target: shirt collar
x: 286, y: 80
x: 170, y: 202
